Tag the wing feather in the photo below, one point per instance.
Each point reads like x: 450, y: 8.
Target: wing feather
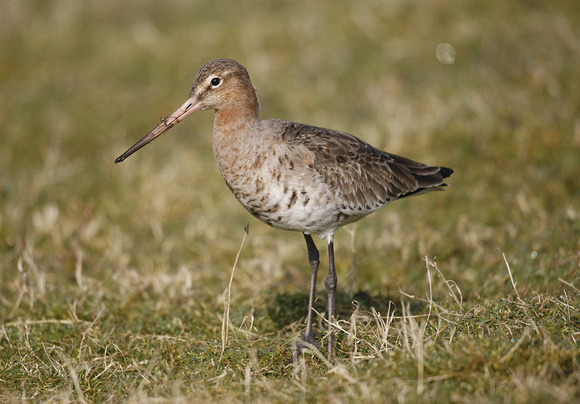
x: 363, y: 175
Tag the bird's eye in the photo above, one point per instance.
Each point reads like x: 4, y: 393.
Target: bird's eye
x: 216, y: 81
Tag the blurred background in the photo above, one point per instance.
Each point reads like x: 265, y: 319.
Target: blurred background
x: 82, y: 81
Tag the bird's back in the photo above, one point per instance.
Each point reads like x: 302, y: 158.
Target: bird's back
x: 365, y: 177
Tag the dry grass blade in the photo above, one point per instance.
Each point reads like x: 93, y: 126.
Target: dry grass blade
x: 516, y: 346
x: 227, y: 297
x: 73, y: 375
x: 511, y: 277
x: 569, y: 285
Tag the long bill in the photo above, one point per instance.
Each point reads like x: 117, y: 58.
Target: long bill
x: 189, y: 107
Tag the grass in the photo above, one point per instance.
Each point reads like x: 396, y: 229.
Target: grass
x: 112, y: 278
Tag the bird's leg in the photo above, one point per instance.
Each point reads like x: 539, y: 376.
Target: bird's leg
x: 308, y: 338
x: 314, y: 259
x: 330, y: 283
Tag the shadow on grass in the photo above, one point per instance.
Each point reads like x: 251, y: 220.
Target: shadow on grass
x: 287, y: 308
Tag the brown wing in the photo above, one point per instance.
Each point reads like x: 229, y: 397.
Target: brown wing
x: 365, y: 177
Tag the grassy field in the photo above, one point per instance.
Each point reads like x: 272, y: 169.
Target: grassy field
x: 112, y: 277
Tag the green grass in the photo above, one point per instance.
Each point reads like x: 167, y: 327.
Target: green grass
x: 112, y: 277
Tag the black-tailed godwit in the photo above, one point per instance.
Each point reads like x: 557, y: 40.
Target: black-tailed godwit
x: 294, y: 176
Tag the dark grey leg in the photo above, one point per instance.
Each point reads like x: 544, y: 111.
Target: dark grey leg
x: 314, y: 259
x: 308, y: 338
x: 330, y: 282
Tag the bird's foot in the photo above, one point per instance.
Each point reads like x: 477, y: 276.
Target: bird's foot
x: 306, y: 342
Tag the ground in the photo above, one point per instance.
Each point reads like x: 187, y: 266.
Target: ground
x: 114, y: 278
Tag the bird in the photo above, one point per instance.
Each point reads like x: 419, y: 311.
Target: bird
x: 294, y: 176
